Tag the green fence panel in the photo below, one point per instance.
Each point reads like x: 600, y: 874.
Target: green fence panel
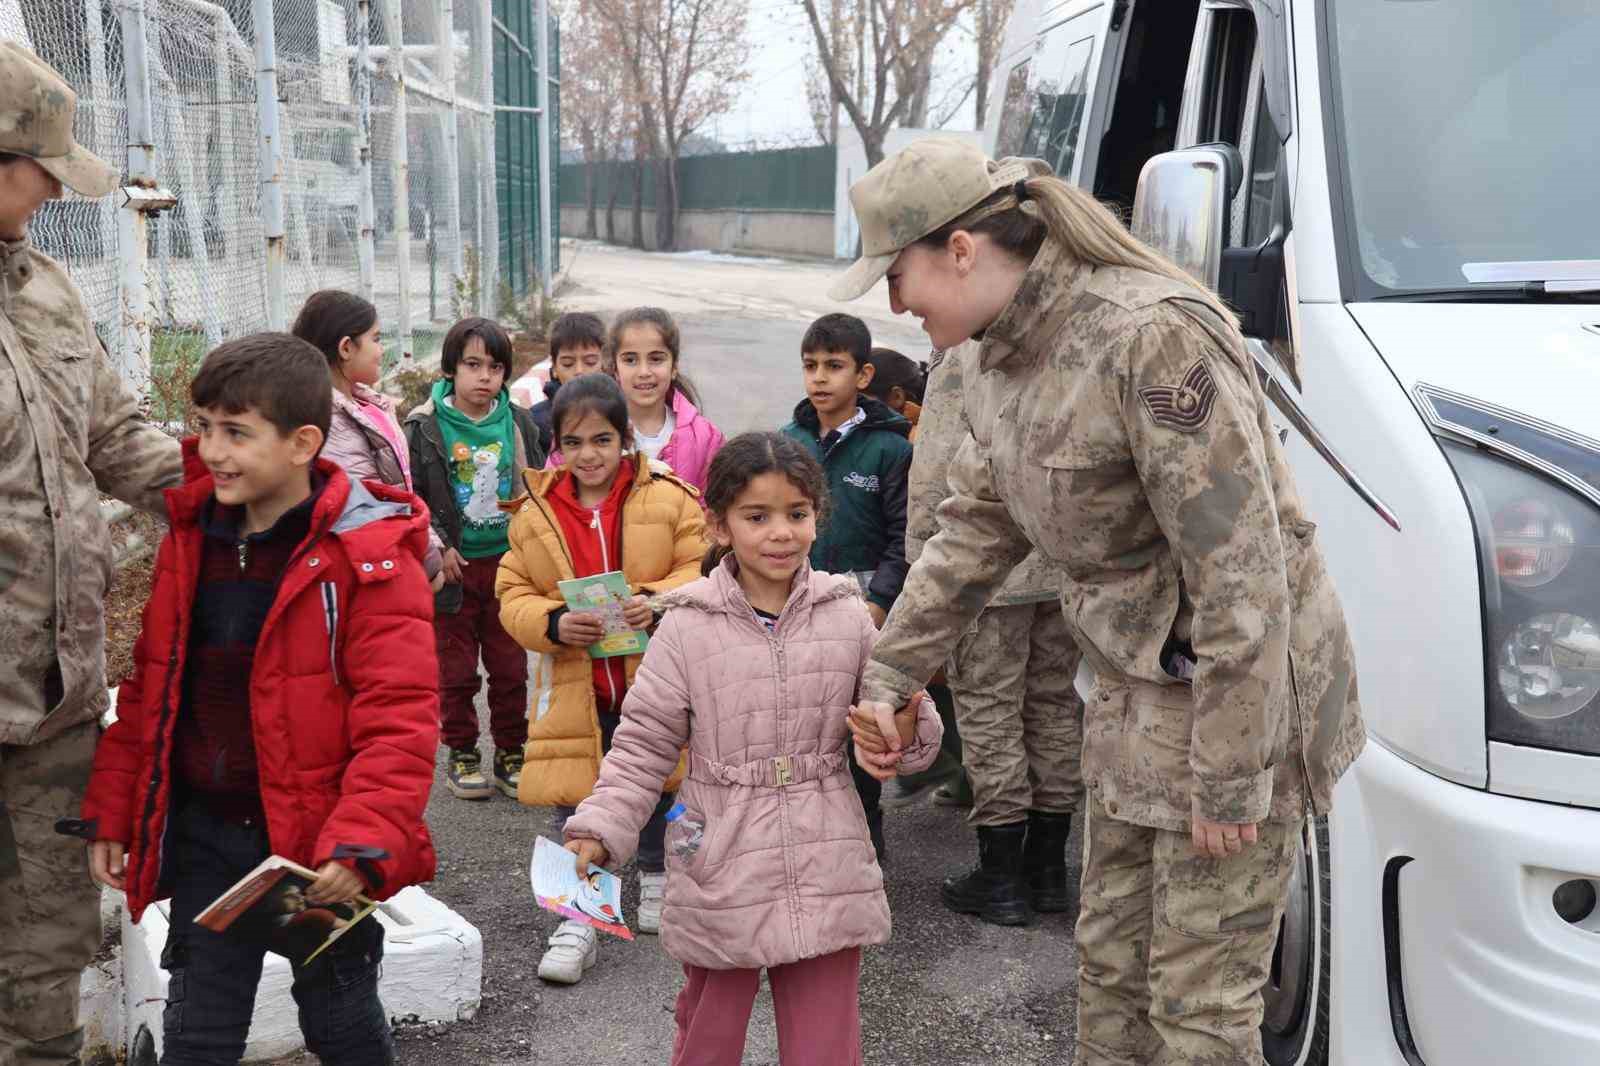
x: 785, y: 179
x: 516, y: 84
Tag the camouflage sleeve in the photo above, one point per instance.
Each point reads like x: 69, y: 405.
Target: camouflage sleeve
x: 1196, y: 441
x: 959, y: 571
x: 130, y: 459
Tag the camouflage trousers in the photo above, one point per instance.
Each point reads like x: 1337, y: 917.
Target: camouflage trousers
x: 1020, y: 720
x: 1175, y: 948
x: 49, y: 909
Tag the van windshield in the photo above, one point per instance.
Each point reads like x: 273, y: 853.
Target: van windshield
x: 1469, y: 136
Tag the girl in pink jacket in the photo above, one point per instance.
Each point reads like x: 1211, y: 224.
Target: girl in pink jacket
x: 769, y: 864
x: 643, y: 352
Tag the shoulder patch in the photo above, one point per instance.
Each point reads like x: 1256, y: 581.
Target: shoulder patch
x: 1186, y: 406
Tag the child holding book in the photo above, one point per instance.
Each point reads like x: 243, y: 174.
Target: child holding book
x: 609, y: 508
x: 771, y: 863
x: 284, y: 701
x: 469, y: 444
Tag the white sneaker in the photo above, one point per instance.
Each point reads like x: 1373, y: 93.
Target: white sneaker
x: 652, y: 890
x: 574, y: 948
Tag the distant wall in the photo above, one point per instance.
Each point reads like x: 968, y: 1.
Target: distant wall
x: 776, y: 202
x: 802, y: 233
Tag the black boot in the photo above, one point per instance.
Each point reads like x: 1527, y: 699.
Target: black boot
x: 1044, y: 861
x: 994, y: 891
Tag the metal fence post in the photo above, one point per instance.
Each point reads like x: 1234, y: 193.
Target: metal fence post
x: 395, y: 66
x: 133, y: 241
x: 366, y: 245
x: 546, y: 256
x: 271, y: 160
x: 452, y: 127
x: 488, y: 188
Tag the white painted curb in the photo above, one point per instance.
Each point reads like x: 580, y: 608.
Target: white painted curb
x: 432, y: 971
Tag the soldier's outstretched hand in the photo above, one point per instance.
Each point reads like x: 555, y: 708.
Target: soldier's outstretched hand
x: 1221, y: 839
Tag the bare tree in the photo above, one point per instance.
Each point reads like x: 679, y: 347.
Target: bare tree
x: 684, y: 61
x: 594, y: 103
x: 894, y: 42
x: 990, y: 18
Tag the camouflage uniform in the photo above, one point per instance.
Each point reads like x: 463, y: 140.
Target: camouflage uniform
x: 1011, y: 675
x: 68, y: 431
x: 1118, y: 430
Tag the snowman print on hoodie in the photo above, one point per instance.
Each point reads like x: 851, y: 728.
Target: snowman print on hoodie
x: 480, y: 484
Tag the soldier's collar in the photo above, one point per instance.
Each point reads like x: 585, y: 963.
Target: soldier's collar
x: 16, y: 269
x: 1034, y: 314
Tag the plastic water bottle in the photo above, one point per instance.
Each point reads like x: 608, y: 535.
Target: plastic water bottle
x: 693, y: 832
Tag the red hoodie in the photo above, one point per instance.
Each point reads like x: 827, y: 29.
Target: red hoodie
x: 594, y: 538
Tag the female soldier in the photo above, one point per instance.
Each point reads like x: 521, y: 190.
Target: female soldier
x: 1117, y: 429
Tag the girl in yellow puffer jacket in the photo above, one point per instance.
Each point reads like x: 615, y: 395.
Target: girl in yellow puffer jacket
x: 606, y: 508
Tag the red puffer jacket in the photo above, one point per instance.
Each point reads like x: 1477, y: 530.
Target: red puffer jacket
x: 344, y: 695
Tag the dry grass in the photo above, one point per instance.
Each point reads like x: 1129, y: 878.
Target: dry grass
x: 125, y: 599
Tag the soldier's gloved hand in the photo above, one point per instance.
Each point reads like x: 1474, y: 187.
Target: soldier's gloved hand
x: 1221, y: 839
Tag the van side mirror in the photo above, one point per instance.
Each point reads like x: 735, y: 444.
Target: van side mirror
x: 1181, y: 206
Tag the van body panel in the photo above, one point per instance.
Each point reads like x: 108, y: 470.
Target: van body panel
x: 1412, y: 597
x: 1511, y: 355
x: 1551, y: 776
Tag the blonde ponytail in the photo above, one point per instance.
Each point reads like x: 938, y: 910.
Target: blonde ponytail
x: 1091, y: 232
x: 1021, y: 217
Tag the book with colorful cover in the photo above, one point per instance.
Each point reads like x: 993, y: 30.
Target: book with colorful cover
x: 595, y: 899
x: 606, y: 595
x: 268, y: 906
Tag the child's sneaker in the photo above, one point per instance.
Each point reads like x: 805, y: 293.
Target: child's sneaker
x: 507, y: 770
x: 652, y: 889
x: 465, y: 775
x: 574, y: 948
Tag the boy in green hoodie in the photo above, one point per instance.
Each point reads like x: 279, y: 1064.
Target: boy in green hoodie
x: 469, y: 445
x: 863, y: 448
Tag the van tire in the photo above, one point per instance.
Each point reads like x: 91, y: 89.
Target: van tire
x: 1295, y: 1031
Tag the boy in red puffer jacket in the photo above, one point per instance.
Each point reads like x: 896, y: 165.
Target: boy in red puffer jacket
x: 284, y: 701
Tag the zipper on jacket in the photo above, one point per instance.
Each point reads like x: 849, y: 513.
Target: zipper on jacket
x: 605, y: 561
x: 243, y: 548
x: 162, y: 740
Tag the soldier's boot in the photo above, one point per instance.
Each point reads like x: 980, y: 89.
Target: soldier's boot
x: 994, y: 890
x: 1044, y: 861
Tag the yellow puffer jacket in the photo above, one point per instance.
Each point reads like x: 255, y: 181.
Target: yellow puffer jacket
x: 663, y: 543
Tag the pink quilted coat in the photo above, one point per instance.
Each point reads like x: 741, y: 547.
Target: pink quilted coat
x: 784, y: 870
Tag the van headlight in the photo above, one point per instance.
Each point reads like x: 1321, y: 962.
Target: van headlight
x: 1537, y: 543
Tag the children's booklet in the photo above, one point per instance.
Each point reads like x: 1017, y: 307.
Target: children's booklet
x: 268, y: 906
x: 594, y: 900
x: 605, y: 595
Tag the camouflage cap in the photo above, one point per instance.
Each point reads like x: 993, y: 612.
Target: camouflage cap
x: 36, y: 112
x: 911, y: 194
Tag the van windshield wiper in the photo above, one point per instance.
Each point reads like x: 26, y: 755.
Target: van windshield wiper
x: 1522, y: 292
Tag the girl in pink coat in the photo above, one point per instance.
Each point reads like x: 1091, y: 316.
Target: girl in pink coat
x: 769, y: 865
x: 643, y: 352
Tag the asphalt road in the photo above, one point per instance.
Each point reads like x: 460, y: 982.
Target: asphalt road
x: 741, y: 319
x: 946, y: 990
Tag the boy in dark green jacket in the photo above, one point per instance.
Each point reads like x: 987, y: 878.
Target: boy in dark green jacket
x: 862, y: 447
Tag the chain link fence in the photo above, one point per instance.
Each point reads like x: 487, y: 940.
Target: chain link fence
x: 171, y: 90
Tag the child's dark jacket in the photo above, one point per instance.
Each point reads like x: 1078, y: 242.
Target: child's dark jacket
x: 868, y: 474
x: 343, y: 695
